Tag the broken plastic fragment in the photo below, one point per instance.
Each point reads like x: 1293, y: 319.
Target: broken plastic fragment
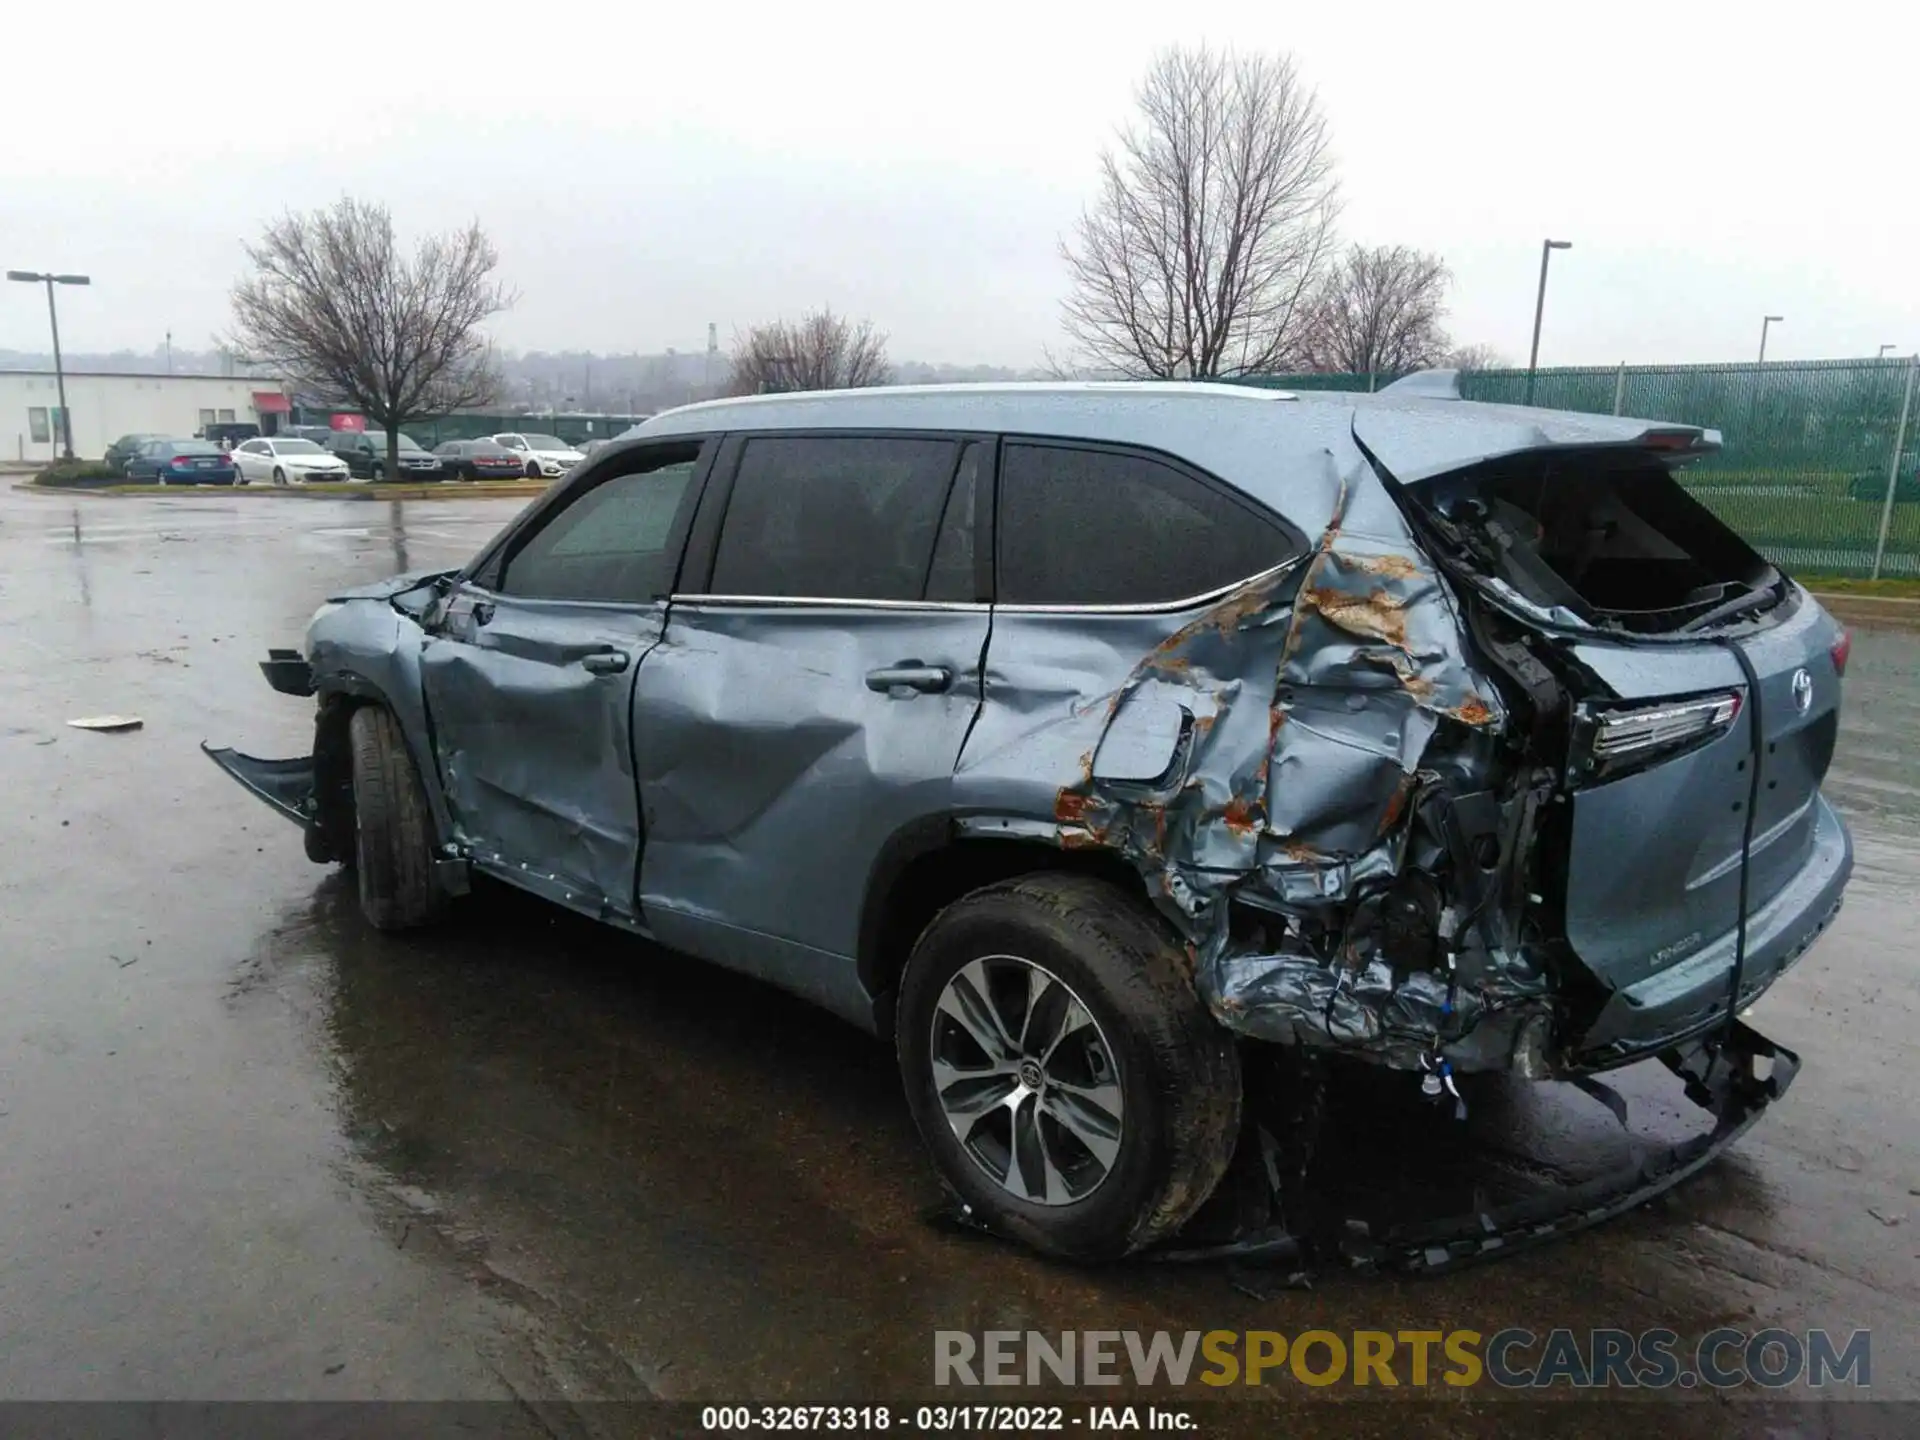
x: 107, y: 722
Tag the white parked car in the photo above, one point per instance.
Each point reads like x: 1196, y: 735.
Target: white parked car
x: 286, y: 462
x: 546, y: 455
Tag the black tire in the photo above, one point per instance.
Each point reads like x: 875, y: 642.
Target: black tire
x: 376, y: 472
x: 279, y: 476
x: 393, y: 829
x: 533, y: 470
x: 1179, y: 1072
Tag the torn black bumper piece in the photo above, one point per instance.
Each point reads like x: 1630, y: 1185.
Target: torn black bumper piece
x: 1734, y: 1074
x: 288, y: 672
x: 286, y: 785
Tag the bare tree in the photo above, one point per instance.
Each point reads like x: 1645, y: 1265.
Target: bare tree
x: 1465, y: 358
x: 334, y: 303
x: 1213, y: 221
x: 821, y: 352
x: 1378, y: 312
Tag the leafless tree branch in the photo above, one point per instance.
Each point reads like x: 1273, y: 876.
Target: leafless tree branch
x: 1214, y: 219
x: 333, y: 302
x: 821, y: 352
x: 1378, y: 311
x: 1465, y: 358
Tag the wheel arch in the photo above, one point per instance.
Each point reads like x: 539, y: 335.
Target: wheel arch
x: 339, y: 695
x: 927, y: 865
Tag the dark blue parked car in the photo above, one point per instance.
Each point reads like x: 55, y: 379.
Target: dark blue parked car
x: 182, y: 462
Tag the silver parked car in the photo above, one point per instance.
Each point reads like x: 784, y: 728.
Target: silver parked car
x: 1094, y: 741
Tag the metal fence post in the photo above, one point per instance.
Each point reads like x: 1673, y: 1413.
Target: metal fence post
x: 1893, y: 469
x: 1619, y: 387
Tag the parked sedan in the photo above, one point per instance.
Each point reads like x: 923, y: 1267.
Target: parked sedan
x: 540, y: 455
x: 365, y: 454
x: 480, y: 460
x: 1121, y: 753
x: 182, y: 462
x: 128, y: 446
x: 286, y: 462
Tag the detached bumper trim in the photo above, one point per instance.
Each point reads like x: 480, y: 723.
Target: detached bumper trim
x: 285, y: 785
x: 288, y: 672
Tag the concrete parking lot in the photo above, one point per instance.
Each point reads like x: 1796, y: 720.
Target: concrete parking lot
x: 254, y: 1150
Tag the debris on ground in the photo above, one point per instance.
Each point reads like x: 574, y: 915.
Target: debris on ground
x: 1886, y: 1217
x: 112, y: 723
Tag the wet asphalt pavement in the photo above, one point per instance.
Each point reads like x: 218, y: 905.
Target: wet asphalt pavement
x: 254, y: 1150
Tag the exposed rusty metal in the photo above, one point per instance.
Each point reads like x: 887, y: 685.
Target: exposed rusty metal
x: 1376, y: 613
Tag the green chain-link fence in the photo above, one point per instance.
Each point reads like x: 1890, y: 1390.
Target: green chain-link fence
x: 1808, y: 447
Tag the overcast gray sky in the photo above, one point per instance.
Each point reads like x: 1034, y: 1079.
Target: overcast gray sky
x: 646, y: 169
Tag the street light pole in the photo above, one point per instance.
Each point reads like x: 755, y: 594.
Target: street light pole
x: 33, y: 277
x: 1765, y: 321
x: 1547, y: 247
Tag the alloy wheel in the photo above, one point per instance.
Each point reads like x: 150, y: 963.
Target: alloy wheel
x: 1026, y: 1079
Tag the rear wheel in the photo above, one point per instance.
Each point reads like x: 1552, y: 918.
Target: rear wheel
x: 1071, y: 1086
x: 393, y: 829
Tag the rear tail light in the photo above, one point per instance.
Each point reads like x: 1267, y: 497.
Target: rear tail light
x: 180, y: 462
x: 1842, y: 648
x: 1628, y: 739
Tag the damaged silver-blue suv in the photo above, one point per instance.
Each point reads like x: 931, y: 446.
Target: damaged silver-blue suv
x: 1094, y: 741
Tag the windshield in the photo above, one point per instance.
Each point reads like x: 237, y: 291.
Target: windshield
x: 546, y: 442
x: 297, y: 447
x: 379, y: 439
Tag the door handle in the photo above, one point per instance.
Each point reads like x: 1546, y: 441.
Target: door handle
x: 910, y: 675
x: 604, y: 662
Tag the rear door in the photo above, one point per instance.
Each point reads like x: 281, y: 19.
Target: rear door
x: 818, y: 678
x: 529, y: 672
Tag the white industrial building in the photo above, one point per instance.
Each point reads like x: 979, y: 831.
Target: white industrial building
x: 105, y: 407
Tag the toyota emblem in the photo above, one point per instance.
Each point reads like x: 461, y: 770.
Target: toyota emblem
x: 1802, y: 691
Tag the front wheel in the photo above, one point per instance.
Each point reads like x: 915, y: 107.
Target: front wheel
x: 279, y: 476
x: 533, y: 470
x: 377, y: 473
x: 393, y: 829
x: 1072, y: 1088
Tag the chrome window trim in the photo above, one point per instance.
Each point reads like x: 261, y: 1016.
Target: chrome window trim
x: 1158, y: 607
x: 820, y: 602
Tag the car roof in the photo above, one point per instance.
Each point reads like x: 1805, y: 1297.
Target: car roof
x: 1281, y: 447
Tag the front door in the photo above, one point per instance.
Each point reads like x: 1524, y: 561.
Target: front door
x: 529, y: 673
x: 811, y: 697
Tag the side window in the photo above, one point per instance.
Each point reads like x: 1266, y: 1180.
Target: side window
x: 1102, y: 527
x: 833, y: 517
x: 613, y: 542
x: 952, y: 576
x: 39, y: 429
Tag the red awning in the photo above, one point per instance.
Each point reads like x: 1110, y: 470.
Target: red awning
x: 270, y: 402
